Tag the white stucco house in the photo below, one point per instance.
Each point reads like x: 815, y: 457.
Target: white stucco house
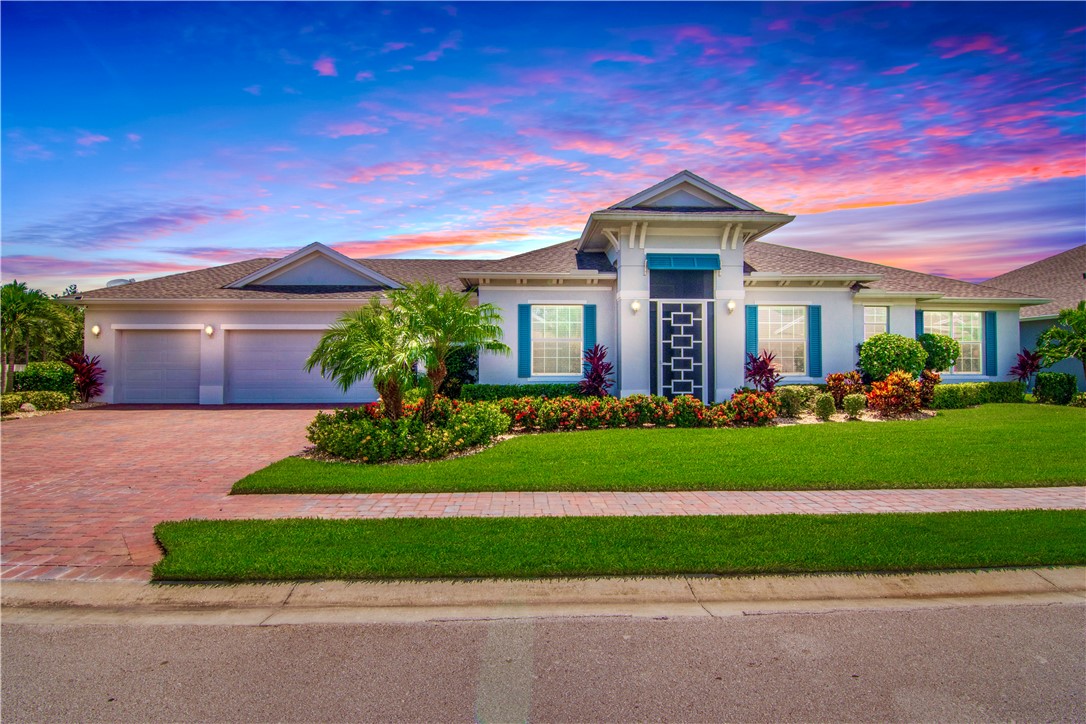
x: 675, y: 281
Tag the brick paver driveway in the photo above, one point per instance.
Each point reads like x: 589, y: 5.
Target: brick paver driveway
x: 83, y: 489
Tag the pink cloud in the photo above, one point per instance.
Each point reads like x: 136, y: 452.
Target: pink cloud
x: 945, y: 132
x: 387, y: 170
x: 392, y: 47
x: 351, y: 128
x: 620, y: 57
x: 325, y: 66
x: 363, y: 75
x: 899, y: 69
x: 133, y: 137
x: 91, y: 139
x: 452, y: 42
x: 252, y: 90
x: 955, y: 46
x: 780, y: 25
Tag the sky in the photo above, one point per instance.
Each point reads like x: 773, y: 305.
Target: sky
x: 143, y: 139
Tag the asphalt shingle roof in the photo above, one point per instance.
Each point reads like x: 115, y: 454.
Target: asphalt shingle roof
x: 560, y: 258
x: 1059, y: 278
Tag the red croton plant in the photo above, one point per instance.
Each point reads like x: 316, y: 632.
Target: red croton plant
x: 88, y: 375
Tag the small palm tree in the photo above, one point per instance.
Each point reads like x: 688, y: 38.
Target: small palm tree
x: 444, y: 320
x: 28, y: 316
x: 373, y: 340
x: 1067, y: 338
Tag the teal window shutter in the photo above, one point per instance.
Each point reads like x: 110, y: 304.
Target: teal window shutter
x: 814, y: 340
x: 589, y: 326
x: 919, y: 323
x: 991, y: 349
x: 681, y: 262
x: 752, y: 329
x: 524, y: 340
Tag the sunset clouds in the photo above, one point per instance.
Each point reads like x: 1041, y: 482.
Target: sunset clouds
x: 899, y: 134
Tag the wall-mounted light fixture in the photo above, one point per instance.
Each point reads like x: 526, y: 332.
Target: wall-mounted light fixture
x: 209, y: 330
x: 96, y: 330
x: 731, y: 306
x: 635, y: 306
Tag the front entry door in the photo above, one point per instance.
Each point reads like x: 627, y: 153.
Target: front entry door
x: 681, y: 357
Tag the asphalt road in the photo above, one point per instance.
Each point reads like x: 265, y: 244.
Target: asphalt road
x: 982, y: 663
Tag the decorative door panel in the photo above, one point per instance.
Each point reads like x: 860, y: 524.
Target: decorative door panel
x: 682, y: 349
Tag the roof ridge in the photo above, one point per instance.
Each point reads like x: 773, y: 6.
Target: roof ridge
x: 1033, y: 264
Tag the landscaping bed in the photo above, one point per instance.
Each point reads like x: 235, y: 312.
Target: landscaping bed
x: 307, y: 549
x: 998, y: 445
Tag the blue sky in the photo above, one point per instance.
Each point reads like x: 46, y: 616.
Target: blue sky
x: 148, y: 138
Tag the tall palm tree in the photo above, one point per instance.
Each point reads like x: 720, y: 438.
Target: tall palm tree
x: 28, y: 316
x: 443, y: 320
x: 373, y: 340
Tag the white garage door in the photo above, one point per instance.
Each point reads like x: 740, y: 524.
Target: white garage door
x: 269, y: 366
x: 160, y: 366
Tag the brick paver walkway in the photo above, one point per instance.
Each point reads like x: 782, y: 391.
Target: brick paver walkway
x: 83, y: 490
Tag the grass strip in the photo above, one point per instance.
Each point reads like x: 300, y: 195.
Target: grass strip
x: 988, y: 446
x: 291, y: 549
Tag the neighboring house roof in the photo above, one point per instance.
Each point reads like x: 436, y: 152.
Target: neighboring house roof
x: 1059, y: 278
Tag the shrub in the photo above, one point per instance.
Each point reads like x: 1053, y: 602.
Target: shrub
x: 948, y: 397
x: 1028, y: 364
x: 840, y: 384
x: 41, y: 399
x: 9, y: 404
x: 688, y: 411
x: 793, y: 400
x: 928, y: 380
x: 943, y: 351
x: 646, y: 409
x: 560, y: 413
x: 46, y: 376
x: 1004, y: 391
x: 854, y: 405
x: 88, y: 375
x: 522, y: 412
x: 600, y: 412
x: 597, y: 373
x: 761, y: 372
x: 824, y: 406
x: 898, y: 394
x: 493, y: 393
x: 1056, y: 388
x: 414, y: 396
x: 1079, y: 400
x: 884, y: 354
x: 461, y: 368
x: 753, y: 408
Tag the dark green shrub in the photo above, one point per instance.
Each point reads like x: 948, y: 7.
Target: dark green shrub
x: 793, y: 400
x: 1056, y: 388
x: 947, y: 397
x: 1013, y: 391
x: 943, y: 351
x: 491, y: 393
x: 461, y: 368
x: 883, y: 354
x: 46, y: 376
x: 824, y: 406
x: 854, y: 405
x: 970, y: 394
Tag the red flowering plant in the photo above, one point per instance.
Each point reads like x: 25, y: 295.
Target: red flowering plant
x: 898, y: 394
x: 559, y: 413
x: 688, y: 411
x: 721, y: 414
x: 761, y: 372
x: 522, y: 411
x: 841, y: 384
x: 597, y: 412
x: 646, y: 409
x: 753, y: 408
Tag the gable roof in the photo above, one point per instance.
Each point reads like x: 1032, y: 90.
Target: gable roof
x: 727, y: 199
x: 367, y: 277
x: 1059, y: 278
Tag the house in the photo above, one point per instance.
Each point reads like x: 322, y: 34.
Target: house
x: 675, y: 281
x: 1060, y: 278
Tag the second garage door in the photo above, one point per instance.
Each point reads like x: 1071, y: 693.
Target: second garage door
x: 269, y: 366
x: 160, y: 366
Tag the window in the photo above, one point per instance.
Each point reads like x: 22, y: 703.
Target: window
x: 875, y: 321
x: 557, y: 339
x: 783, y: 331
x: 680, y: 284
x: 967, y: 328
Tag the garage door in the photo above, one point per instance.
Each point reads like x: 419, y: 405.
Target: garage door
x: 160, y: 366
x: 269, y: 366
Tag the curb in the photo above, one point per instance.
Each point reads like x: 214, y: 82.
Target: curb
x: 414, y: 601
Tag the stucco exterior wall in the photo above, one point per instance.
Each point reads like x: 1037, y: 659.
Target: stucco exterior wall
x: 839, y: 337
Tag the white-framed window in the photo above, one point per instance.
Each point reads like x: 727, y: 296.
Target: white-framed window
x: 783, y: 331
x: 876, y: 321
x: 968, y: 329
x: 557, y: 339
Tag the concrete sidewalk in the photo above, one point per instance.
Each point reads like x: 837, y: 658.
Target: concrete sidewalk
x: 406, y: 601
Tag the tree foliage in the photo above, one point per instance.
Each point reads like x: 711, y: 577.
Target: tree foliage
x: 943, y: 351
x: 31, y: 321
x: 1065, y: 339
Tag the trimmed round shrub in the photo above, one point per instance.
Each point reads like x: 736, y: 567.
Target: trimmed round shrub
x: 753, y: 408
x: 688, y: 411
x: 884, y: 354
x: 9, y: 404
x: 898, y: 394
x: 46, y: 377
x: 840, y: 384
x: 824, y: 406
x: 1055, y: 388
x: 854, y: 405
x: 943, y: 351
x: 647, y: 409
x: 793, y: 400
x: 560, y: 413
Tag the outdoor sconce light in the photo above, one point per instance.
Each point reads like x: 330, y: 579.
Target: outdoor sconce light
x: 96, y: 330
x: 209, y: 330
x: 731, y: 306
x: 635, y: 306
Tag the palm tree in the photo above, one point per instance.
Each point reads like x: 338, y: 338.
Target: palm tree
x: 28, y: 316
x: 1067, y: 338
x: 370, y: 341
x: 444, y: 320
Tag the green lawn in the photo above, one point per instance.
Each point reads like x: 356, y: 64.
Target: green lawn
x: 988, y: 446
x: 534, y: 547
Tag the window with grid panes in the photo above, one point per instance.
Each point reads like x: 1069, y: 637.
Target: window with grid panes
x: 783, y: 331
x: 557, y: 339
x: 875, y: 321
x: 968, y: 329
